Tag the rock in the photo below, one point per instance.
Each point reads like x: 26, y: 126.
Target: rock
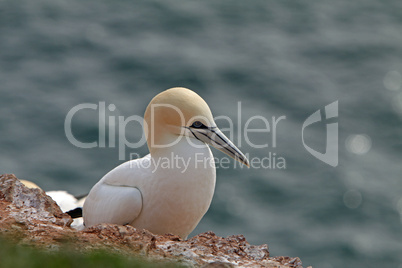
x: 39, y: 221
x: 29, y: 207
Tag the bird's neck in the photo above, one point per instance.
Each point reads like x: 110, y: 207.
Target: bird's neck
x: 183, y: 155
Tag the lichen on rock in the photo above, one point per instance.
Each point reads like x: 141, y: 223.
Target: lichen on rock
x: 29, y: 207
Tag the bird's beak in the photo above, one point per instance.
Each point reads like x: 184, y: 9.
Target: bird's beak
x: 213, y: 136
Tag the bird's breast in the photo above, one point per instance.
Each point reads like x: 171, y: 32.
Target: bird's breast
x: 180, y: 193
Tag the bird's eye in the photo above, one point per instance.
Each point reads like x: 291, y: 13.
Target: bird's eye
x: 197, y: 124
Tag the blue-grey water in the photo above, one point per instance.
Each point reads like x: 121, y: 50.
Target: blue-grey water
x: 278, y: 58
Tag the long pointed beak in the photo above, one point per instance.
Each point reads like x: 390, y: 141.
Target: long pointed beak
x: 214, y: 137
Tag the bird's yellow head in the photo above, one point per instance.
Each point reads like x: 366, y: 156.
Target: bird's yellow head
x: 179, y: 112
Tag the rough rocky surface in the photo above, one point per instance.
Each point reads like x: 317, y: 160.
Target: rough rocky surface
x: 31, y: 217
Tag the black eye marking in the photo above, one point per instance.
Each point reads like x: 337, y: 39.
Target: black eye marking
x: 198, y: 124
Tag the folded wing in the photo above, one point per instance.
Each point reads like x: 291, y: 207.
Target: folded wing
x: 112, y: 204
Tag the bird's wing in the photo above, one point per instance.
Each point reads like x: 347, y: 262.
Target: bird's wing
x: 112, y: 204
x: 116, y: 197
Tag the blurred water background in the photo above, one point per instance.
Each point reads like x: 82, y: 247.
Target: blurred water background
x: 279, y: 58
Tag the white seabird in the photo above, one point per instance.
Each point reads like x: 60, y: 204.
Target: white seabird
x: 170, y: 189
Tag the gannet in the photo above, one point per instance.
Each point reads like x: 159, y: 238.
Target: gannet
x: 170, y: 189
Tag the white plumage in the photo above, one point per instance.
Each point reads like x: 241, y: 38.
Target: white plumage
x: 68, y: 202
